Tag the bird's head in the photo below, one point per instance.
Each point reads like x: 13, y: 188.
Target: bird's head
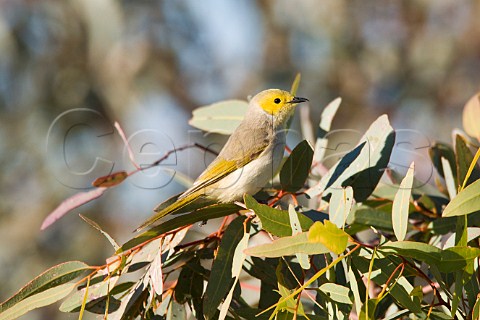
x: 277, y: 103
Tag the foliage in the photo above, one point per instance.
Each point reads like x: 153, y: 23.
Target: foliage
x: 420, y: 257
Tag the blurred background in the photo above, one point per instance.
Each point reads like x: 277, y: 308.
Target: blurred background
x: 69, y: 69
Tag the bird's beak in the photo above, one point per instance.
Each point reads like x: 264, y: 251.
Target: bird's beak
x: 298, y: 100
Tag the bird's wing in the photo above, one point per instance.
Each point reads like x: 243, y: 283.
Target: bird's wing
x: 222, y: 166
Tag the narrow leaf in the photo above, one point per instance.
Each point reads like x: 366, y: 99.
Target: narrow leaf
x: 295, y: 84
x: 238, y: 259
x: 97, y: 227
x: 55, y: 276
x: 71, y: 203
x: 38, y: 300
x: 341, y: 204
x: 297, y: 229
x: 297, y: 167
x: 449, y: 178
x: 465, y: 158
x: 221, y: 275
x: 324, y: 127
x: 287, y: 246
x: 276, y: 222
x: 207, y: 213
x: 401, y: 205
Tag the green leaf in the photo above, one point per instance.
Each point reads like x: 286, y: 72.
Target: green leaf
x: 95, y: 293
x: 207, y: 213
x: 238, y: 259
x: 362, y: 167
x: 53, y: 277
x: 471, y: 114
x: 287, y: 246
x: 220, y: 279
x: 104, y: 233
x: 476, y: 309
x: 448, y: 260
x: 329, y: 235
x: 341, y: 204
x: 467, y: 201
x: 368, y: 216
x: 464, y: 158
x: 222, y: 117
x: 449, y: 178
x: 40, y: 299
x: 336, y: 292
x: 354, y: 287
x: 274, y: 221
x: 302, y: 258
x: 295, y: 84
x: 401, y: 205
x: 437, y: 152
x: 297, y: 167
x: 190, y: 283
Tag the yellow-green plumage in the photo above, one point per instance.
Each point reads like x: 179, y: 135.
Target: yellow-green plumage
x: 249, y: 159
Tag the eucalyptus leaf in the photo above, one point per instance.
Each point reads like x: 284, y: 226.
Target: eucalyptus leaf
x: 362, y: 167
x: 40, y: 299
x: 207, y: 213
x: 220, y: 280
x: 53, y: 277
x: 295, y: 170
x: 276, y: 222
x: 222, y: 117
x: 467, y: 201
x: 401, y: 205
x: 288, y: 246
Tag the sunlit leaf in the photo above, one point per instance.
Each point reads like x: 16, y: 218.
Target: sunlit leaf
x: 401, y: 205
x: 297, y: 229
x: 287, y: 246
x: 466, y: 202
x: 341, y: 204
x: 324, y: 127
x: 222, y: 117
x: 297, y: 167
x: 276, y: 222
x: 329, y: 235
x: 295, y: 84
x: 336, y: 292
x: 38, y: 300
x: 55, y: 276
x: 449, y: 178
x: 362, y: 167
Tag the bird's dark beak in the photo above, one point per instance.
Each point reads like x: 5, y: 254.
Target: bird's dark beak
x: 298, y: 100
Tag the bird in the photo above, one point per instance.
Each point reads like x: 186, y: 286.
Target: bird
x: 250, y: 158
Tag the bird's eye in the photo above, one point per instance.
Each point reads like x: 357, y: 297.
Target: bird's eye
x: 277, y: 100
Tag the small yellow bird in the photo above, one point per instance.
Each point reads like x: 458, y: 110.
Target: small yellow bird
x: 249, y: 159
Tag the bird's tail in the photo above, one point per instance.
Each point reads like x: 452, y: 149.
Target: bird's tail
x: 170, y: 206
